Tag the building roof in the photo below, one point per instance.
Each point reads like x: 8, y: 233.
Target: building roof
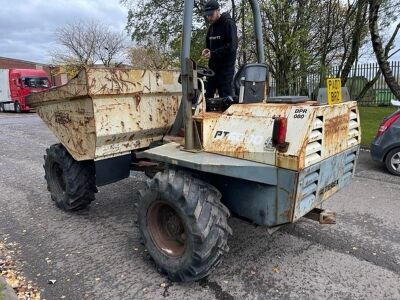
x: 23, y: 61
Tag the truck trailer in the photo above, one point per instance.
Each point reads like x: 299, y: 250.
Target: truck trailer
x: 17, y: 84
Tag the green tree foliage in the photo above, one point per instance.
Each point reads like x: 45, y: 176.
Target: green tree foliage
x: 158, y: 23
x: 301, y: 36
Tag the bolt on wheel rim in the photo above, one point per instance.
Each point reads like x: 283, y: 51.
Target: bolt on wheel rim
x: 167, y: 229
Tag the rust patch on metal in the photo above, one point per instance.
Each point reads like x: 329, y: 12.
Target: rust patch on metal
x: 288, y: 213
x: 302, y: 155
x: 158, y: 76
x: 138, y: 98
x: 62, y: 118
x: 287, y: 161
x: 336, y: 134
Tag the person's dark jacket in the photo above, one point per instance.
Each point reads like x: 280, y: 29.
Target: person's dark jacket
x: 222, y: 40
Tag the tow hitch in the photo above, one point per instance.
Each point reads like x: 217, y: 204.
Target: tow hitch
x: 322, y: 216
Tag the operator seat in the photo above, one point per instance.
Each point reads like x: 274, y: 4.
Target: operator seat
x: 249, y: 87
x: 251, y: 79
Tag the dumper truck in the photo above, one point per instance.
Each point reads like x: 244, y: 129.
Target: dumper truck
x: 16, y: 84
x: 267, y: 160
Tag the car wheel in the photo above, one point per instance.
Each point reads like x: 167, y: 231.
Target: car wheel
x: 1, y: 107
x: 392, y: 161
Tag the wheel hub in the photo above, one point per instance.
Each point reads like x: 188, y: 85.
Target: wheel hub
x: 395, y: 161
x: 166, y: 229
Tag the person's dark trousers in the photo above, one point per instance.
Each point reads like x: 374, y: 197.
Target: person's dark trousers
x: 221, y: 82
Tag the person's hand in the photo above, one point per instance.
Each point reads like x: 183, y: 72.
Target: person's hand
x: 206, y: 53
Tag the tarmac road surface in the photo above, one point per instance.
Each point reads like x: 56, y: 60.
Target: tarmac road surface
x: 98, y: 254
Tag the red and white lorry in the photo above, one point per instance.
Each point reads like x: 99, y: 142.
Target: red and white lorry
x: 16, y: 84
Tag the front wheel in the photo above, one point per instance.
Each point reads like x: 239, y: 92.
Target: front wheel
x: 71, y: 183
x: 183, y: 225
x: 392, y: 161
x: 1, y: 107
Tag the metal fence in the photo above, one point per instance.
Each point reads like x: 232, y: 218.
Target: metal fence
x: 378, y: 94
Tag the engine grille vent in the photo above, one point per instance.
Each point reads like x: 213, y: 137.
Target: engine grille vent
x: 313, y: 152
x: 354, y: 129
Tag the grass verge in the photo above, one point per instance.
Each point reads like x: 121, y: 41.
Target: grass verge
x: 371, y: 118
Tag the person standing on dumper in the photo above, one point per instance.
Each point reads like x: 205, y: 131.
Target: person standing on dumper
x: 221, y: 47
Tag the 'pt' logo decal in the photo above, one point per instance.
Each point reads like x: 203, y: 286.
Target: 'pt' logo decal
x: 236, y: 137
x: 220, y: 134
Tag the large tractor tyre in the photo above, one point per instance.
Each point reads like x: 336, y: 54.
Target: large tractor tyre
x: 183, y: 225
x: 392, y: 161
x: 71, y: 183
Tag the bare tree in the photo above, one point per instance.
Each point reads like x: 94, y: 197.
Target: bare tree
x: 149, y: 57
x: 110, y: 46
x: 85, y: 43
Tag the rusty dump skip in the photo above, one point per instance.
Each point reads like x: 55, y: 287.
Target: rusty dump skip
x: 105, y: 112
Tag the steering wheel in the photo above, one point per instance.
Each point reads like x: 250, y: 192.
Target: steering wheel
x: 203, y: 71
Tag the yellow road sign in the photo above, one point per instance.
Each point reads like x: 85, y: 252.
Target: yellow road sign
x: 334, y: 90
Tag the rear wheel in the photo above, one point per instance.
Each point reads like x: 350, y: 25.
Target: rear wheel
x: 17, y: 107
x: 1, y: 107
x: 71, y: 183
x: 392, y: 161
x: 183, y: 225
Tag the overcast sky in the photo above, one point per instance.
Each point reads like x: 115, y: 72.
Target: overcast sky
x: 27, y: 27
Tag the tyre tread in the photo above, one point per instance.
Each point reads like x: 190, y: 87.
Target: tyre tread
x: 211, y: 227
x: 79, y: 178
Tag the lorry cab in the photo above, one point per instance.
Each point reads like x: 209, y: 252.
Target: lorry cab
x: 21, y: 83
